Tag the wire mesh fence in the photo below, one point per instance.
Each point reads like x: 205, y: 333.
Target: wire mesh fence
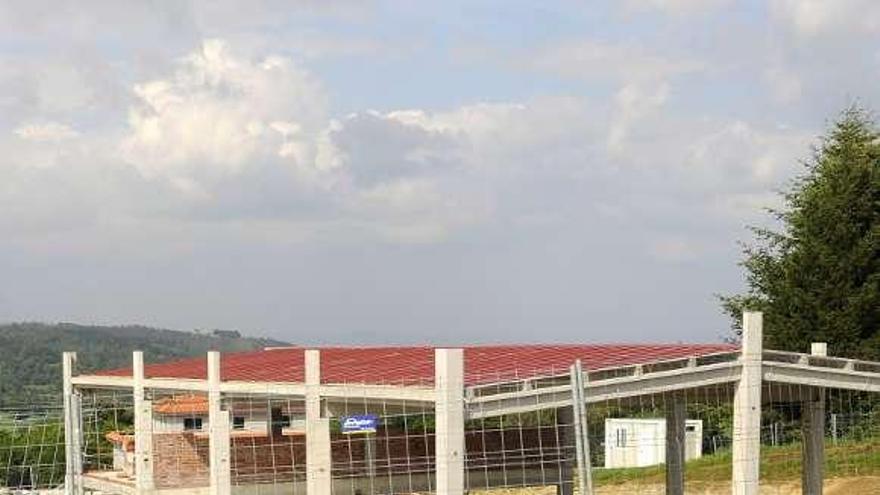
x: 384, y: 443
x: 31, y: 447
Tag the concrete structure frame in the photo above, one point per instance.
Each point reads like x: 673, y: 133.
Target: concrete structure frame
x: 749, y: 371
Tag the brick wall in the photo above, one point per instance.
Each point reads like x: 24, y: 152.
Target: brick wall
x: 181, y: 460
x: 270, y: 458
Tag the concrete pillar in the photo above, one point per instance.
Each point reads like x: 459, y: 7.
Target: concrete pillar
x: 143, y: 428
x: 218, y: 432
x: 582, y: 438
x: 72, y: 428
x: 747, y: 409
x: 449, y: 411
x: 813, y: 429
x: 675, y: 443
x: 318, y: 448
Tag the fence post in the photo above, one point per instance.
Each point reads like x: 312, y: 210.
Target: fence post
x: 582, y: 439
x: 318, y: 449
x: 143, y: 427
x: 813, y: 429
x: 72, y: 429
x: 449, y: 412
x: 675, y: 443
x: 218, y: 432
x: 747, y: 409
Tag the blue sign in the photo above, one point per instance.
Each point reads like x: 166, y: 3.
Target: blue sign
x: 360, y: 423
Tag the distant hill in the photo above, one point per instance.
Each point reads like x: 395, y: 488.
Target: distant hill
x: 30, y: 353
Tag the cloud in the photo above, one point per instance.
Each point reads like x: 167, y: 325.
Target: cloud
x: 785, y: 85
x: 236, y: 136
x: 811, y: 18
x: 592, y: 61
x: 675, y: 6
x: 632, y: 103
x: 255, y: 161
x: 742, y: 153
x: 225, y: 137
x: 47, y: 131
x: 220, y: 113
x: 673, y: 249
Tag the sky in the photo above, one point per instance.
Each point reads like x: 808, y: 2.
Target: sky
x: 397, y: 172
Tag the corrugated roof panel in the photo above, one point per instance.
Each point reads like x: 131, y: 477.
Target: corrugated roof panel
x: 415, y: 365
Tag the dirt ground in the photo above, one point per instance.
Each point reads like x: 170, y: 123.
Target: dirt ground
x: 840, y: 486
x: 868, y: 485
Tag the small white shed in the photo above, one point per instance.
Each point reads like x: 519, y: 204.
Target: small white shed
x: 642, y: 442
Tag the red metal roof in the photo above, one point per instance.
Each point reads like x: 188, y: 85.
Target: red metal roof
x: 415, y: 365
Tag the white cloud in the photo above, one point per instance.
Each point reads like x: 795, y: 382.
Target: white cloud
x: 784, y: 84
x: 676, y: 6
x: 592, y: 61
x: 631, y: 103
x: 230, y: 138
x: 46, y: 131
x: 221, y: 113
x: 819, y: 17
x: 740, y: 156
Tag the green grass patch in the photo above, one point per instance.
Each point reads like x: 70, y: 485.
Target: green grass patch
x: 781, y: 463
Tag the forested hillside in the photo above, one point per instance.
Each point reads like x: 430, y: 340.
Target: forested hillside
x: 30, y: 353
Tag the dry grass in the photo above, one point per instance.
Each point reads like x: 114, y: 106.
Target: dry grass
x: 864, y: 485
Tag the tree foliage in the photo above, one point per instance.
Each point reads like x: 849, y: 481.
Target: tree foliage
x: 817, y: 279
x: 30, y: 353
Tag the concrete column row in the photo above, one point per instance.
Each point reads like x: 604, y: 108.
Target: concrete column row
x: 450, y: 419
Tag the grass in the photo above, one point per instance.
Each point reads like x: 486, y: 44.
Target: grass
x: 780, y: 471
x: 782, y: 463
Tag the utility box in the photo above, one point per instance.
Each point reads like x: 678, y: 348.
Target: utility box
x: 642, y: 442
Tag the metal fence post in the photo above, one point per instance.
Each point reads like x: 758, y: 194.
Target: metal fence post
x: 582, y: 439
x: 813, y: 429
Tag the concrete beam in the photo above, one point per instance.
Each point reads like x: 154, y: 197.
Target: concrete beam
x: 449, y: 438
x: 73, y: 441
x: 143, y: 429
x: 813, y: 429
x: 318, y: 448
x: 675, y: 443
x: 747, y: 409
x: 382, y: 393
x: 600, y: 391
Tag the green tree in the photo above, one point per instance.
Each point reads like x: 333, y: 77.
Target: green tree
x: 817, y: 279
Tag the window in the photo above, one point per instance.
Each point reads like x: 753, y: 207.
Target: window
x: 279, y: 420
x: 284, y: 421
x: 238, y: 422
x: 621, y: 438
x: 191, y: 424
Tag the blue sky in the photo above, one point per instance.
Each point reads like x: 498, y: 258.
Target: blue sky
x: 397, y: 172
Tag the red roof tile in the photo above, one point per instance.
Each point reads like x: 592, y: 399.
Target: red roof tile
x: 184, y: 404
x: 415, y: 365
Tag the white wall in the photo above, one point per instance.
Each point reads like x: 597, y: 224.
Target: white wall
x: 256, y: 416
x: 642, y: 442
